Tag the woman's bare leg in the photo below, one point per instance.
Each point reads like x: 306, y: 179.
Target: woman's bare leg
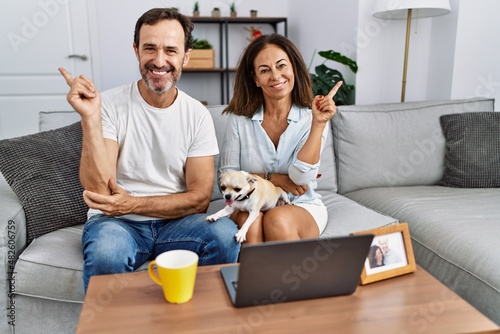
x: 255, y: 232
x: 289, y: 222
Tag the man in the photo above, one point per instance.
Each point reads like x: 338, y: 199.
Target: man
x: 147, y: 163
x: 390, y: 255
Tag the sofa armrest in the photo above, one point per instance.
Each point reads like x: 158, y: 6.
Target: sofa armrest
x: 12, y: 243
x: 12, y: 228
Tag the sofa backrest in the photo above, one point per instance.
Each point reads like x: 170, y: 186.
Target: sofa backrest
x: 220, y: 122
x: 396, y: 144
x: 50, y: 120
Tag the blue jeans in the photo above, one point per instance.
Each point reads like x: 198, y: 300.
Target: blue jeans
x: 115, y: 245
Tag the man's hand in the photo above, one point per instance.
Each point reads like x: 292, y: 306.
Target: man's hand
x: 117, y: 204
x: 83, y: 96
x: 323, y: 107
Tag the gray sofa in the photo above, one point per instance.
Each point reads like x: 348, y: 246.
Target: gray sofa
x: 390, y: 158
x: 379, y: 168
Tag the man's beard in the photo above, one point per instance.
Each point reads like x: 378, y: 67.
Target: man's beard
x: 155, y: 84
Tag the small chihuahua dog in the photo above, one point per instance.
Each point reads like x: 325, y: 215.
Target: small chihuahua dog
x: 248, y: 192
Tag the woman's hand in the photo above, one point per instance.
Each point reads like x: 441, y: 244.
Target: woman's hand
x: 83, y: 96
x: 323, y: 107
x: 284, y: 182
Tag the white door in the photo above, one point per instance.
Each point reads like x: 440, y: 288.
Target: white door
x: 38, y: 36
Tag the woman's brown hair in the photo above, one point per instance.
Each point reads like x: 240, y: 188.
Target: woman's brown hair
x: 247, y: 97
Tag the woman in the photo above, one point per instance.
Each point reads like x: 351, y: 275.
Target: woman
x: 376, y: 257
x: 276, y: 129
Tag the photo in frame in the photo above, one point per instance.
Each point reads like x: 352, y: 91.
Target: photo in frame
x: 390, y: 255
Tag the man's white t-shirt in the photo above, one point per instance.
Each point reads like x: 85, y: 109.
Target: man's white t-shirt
x: 154, y: 143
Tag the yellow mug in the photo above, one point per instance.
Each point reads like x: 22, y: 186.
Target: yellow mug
x: 177, y: 274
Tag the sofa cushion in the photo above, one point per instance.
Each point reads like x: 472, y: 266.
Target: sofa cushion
x: 397, y: 144
x: 42, y: 170
x: 43, y: 258
x: 472, y: 159
x: 328, y: 169
x: 220, y: 122
x: 58, y: 256
x: 346, y: 216
x: 50, y: 120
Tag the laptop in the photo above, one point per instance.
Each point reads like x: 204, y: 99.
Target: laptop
x: 275, y: 272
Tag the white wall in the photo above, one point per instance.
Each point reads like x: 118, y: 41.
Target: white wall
x: 476, y: 70
x: 452, y: 56
x: 314, y: 27
x: 115, y: 36
x: 381, y: 45
x: 317, y: 25
x: 442, y: 53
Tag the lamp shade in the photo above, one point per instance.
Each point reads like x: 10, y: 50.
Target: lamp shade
x: 398, y: 9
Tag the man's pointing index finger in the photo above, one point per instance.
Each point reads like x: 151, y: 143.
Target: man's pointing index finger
x: 66, y: 75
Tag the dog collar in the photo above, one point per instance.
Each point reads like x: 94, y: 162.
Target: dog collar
x: 247, y: 196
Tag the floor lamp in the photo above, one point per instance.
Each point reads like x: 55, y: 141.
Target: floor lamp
x: 406, y: 9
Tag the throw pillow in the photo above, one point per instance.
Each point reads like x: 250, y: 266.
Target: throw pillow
x: 42, y: 170
x: 472, y: 159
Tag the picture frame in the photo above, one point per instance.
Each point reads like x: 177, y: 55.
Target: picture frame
x: 390, y: 255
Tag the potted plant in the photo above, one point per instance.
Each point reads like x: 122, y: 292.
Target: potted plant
x: 233, y: 10
x: 202, y: 55
x: 216, y: 12
x: 196, y: 9
x: 325, y: 77
x: 253, y: 13
x: 201, y: 44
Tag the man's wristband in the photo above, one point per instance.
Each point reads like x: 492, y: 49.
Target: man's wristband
x: 268, y: 176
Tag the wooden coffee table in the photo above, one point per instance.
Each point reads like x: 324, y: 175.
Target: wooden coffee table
x: 413, y: 303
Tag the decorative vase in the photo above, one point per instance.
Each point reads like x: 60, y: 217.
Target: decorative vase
x: 216, y: 13
x: 196, y: 13
x: 234, y: 14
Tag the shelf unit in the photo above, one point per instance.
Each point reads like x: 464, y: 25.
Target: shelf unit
x: 224, y: 22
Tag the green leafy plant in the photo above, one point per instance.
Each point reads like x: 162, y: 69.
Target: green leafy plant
x: 201, y: 44
x: 325, y: 77
x: 233, y: 8
x: 196, y: 7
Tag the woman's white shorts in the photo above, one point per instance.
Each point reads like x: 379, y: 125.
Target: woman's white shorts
x: 319, y: 212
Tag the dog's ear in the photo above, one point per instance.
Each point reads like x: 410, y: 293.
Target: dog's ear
x: 251, y: 179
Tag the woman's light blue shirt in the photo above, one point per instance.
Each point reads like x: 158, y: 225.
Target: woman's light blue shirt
x: 246, y: 146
